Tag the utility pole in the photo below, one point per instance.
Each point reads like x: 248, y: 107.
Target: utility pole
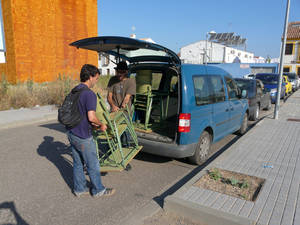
x: 281, y: 61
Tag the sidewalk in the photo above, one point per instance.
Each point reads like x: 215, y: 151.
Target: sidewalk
x: 275, y: 142
x: 24, y: 116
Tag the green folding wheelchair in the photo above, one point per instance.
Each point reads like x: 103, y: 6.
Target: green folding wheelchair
x: 111, y: 154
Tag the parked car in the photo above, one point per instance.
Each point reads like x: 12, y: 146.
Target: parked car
x: 270, y: 81
x: 249, y: 76
x: 202, y: 107
x: 288, y: 85
x: 294, y: 79
x: 258, y: 97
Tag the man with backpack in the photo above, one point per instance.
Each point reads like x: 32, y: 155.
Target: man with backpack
x: 81, y: 139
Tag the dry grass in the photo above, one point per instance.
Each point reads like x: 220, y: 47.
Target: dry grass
x: 30, y: 94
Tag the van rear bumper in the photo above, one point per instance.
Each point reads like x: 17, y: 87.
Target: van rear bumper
x: 167, y: 149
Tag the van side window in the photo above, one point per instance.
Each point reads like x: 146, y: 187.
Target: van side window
x: 202, y: 90
x: 218, y: 88
x: 232, y: 88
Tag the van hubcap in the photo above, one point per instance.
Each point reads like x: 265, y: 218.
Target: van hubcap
x: 204, y: 146
x: 257, y: 112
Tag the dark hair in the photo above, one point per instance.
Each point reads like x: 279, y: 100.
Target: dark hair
x: 87, y: 71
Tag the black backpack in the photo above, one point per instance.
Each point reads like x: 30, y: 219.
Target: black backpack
x: 69, y: 114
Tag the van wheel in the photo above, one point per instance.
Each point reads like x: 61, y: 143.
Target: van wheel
x: 202, y: 149
x: 255, y: 115
x: 244, y: 125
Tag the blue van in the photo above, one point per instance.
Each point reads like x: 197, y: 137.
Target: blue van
x: 192, y: 105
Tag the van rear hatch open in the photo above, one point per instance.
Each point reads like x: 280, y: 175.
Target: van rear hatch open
x: 155, y: 69
x: 129, y: 49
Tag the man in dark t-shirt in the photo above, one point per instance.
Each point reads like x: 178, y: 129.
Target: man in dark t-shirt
x: 120, y: 88
x: 120, y: 92
x: 81, y: 140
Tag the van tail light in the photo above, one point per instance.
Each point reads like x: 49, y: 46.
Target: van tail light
x: 184, y: 122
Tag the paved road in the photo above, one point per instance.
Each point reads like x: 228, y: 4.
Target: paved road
x: 36, y: 181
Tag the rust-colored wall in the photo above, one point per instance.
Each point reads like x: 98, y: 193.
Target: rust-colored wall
x: 8, y: 68
x: 40, y: 34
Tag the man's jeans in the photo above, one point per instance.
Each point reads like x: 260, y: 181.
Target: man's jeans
x: 84, y: 151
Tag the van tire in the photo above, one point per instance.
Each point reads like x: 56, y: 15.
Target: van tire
x: 244, y: 125
x: 255, y: 115
x: 202, y: 150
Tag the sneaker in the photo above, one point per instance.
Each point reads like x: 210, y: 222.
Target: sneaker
x: 79, y: 194
x: 105, y: 192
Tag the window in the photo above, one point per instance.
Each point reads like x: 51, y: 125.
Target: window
x: 218, y: 88
x: 174, y: 84
x: 289, y: 49
x: 202, y: 90
x: 2, y: 39
x: 155, y: 80
x: 106, y: 60
x: 298, y: 71
x: 286, y: 69
x: 231, y: 88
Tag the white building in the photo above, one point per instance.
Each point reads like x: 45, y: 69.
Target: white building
x: 259, y: 59
x: 106, y: 63
x: 216, y: 53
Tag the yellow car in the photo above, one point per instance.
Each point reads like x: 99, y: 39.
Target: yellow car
x: 288, y: 85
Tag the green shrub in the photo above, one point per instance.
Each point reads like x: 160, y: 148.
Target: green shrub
x: 4, y: 85
x: 29, y: 93
x: 244, y: 184
x: 215, y: 174
x: 234, y: 182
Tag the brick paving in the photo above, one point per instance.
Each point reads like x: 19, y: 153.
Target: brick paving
x: 271, y: 150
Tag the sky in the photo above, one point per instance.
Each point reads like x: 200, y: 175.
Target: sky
x: 175, y: 24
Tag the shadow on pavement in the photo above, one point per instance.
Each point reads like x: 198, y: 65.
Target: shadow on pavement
x: 54, y: 151
x: 160, y: 199
x: 11, y: 207
x: 55, y: 126
x: 144, y: 156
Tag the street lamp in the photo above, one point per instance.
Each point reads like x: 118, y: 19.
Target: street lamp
x: 206, y: 55
x: 281, y: 60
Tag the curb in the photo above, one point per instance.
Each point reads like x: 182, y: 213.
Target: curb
x: 204, y: 214
x: 20, y: 123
